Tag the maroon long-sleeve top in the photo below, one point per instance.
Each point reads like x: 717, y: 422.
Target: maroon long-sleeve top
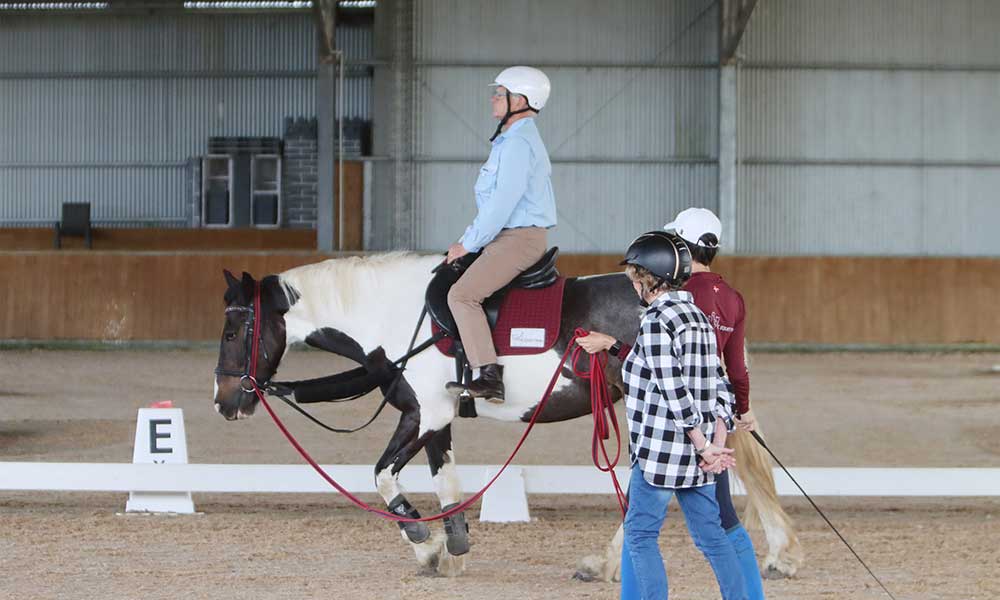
x: 726, y: 310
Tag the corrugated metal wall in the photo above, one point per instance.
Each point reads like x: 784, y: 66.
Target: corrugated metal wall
x: 631, y: 126
x: 106, y: 109
x: 870, y: 127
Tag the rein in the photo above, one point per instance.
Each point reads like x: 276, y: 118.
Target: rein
x: 251, y: 377
x: 602, y: 408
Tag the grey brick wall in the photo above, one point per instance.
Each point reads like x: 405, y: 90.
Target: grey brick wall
x: 298, y: 176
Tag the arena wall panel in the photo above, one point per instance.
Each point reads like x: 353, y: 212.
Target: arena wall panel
x: 118, y: 296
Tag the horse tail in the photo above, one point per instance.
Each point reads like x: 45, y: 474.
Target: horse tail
x: 763, y: 510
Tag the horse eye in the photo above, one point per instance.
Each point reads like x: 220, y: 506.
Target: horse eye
x: 230, y: 336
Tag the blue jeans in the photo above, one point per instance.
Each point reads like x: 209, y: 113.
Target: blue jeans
x: 647, y: 510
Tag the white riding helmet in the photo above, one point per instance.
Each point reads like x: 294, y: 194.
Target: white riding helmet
x: 528, y: 82
x: 693, y: 223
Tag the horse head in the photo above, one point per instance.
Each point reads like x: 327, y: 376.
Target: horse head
x: 234, y: 375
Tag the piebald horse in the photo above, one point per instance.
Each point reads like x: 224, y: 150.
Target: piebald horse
x: 374, y: 302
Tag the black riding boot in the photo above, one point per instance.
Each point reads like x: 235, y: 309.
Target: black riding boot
x: 489, y: 384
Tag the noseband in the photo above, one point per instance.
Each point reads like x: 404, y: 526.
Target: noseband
x: 252, y: 341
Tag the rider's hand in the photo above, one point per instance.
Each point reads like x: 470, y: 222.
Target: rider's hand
x: 455, y: 252
x: 746, y: 422
x: 595, y: 341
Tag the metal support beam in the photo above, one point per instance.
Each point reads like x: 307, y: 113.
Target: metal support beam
x: 392, y: 220
x: 325, y: 13
x: 403, y: 73
x: 734, y: 15
x: 326, y: 94
x: 733, y: 19
x: 727, y: 155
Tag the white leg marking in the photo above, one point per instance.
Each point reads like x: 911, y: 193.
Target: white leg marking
x: 446, y: 482
x: 387, y: 484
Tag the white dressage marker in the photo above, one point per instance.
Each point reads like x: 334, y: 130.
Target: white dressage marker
x: 507, y: 499
x: 160, y: 440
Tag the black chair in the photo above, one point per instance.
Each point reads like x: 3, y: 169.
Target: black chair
x: 75, y: 222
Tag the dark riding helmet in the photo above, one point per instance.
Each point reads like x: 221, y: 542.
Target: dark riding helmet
x: 663, y: 254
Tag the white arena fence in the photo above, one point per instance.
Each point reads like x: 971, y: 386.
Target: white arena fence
x: 160, y: 479
x: 505, y: 501
x: 536, y: 479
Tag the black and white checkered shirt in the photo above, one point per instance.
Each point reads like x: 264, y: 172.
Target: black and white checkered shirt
x: 673, y: 383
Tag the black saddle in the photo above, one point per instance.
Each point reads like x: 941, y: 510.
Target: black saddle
x: 539, y: 275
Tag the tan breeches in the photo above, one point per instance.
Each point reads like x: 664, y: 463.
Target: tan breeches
x: 503, y: 259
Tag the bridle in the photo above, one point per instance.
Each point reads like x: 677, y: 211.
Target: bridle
x: 252, y: 342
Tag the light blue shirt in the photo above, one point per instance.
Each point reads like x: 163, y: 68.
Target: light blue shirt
x: 514, y: 188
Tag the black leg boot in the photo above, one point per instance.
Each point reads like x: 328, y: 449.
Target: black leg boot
x: 489, y: 384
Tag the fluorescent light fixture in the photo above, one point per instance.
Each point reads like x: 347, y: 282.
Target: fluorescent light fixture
x: 53, y: 5
x: 195, y: 5
x: 293, y: 4
x: 223, y: 5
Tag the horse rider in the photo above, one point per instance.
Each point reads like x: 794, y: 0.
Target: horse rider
x: 516, y: 205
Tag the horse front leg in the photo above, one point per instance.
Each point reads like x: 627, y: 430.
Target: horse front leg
x: 403, y: 445
x: 441, y: 459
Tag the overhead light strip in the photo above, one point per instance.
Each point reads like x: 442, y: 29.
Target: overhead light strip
x: 295, y: 4
x: 53, y: 5
x: 224, y: 5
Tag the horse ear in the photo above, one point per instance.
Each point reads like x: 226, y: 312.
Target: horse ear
x: 231, y: 280
x: 234, y: 291
x: 247, y: 285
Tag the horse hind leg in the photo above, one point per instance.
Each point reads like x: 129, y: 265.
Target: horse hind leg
x: 441, y: 459
x: 607, y: 568
x: 753, y: 467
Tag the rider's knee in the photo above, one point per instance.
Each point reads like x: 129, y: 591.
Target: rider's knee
x: 458, y: 295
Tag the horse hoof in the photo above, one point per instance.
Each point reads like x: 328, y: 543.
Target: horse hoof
x: 429, y: 572
x: 593, y: 568
x: 428, y: 553
x: 784, y: 566
x: 773, y: 572
x: 449, y: 565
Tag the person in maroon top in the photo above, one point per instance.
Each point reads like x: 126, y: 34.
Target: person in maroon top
x: 722, y: 304
x: 725, y: 309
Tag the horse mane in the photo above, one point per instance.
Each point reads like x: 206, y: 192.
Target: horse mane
x: 342, y: 283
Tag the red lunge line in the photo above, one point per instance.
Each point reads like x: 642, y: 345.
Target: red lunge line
x: 602, y: 407
x: 464, y: 505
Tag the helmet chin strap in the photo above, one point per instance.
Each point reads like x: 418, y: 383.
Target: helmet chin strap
x: 507, y: 117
